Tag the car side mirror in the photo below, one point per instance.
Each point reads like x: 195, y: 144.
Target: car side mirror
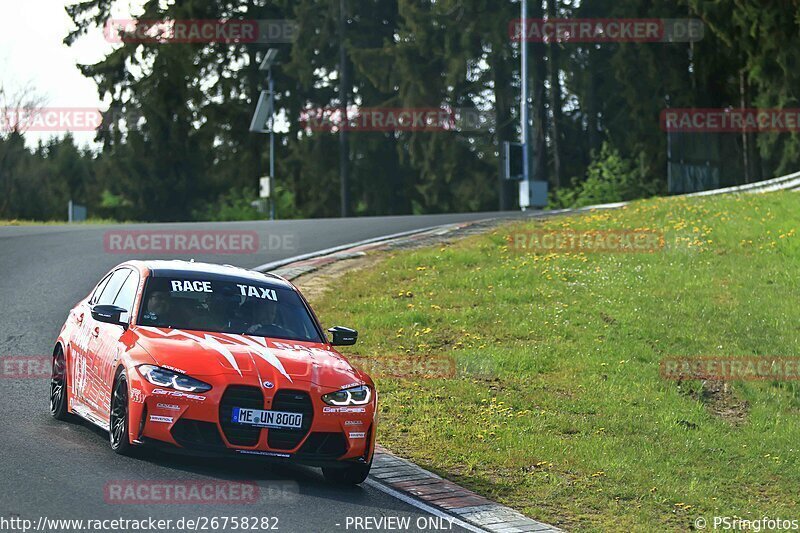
x: 343, y: 336
x: 110, y: 314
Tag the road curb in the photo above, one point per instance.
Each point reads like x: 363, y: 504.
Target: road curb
x: 286, y: 265
x: 303, y: 264
x: 406, y: 477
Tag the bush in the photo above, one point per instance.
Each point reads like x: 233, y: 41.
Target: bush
x: 609, y: 178
x: 237, y: 204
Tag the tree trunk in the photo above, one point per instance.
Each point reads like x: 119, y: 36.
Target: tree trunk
x: 555, y: 99
x: 344, y: 92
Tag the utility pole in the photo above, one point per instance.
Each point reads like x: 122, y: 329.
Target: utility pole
x: 532, y: 191
x: 271, y: 85
x: 344, y: 89
x: 524, y: 105
x: 264, y: 116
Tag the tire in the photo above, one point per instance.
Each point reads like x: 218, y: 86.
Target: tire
x: 349, y: 475
x: 58, y: 386
x: 118, y: 420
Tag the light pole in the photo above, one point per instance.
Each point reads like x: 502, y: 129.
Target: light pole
x: 532, y: 191
x: 265, y: 116
x: 524, y: 101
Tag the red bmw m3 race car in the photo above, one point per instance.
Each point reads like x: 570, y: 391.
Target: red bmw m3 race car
x: 214, y: 361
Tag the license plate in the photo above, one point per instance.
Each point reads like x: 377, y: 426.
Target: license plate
x: 267, y: 419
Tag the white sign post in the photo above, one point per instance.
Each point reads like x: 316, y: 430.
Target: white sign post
x: 264, y: 187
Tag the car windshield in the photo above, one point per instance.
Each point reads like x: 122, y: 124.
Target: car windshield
x: 239, y: 307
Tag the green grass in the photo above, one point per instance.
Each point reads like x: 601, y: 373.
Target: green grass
x: 558, y: 408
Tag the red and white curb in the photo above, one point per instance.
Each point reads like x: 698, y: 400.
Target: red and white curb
x: 394, y: 475
x: 467, y: 509
x: 302, y: 264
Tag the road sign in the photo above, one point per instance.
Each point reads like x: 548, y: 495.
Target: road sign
x: 262, y: 114
x: 264, y: 188
x: 512, y: 161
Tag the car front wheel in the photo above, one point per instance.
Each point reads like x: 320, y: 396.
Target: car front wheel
x: 58, y: 386
x: 118, y: 423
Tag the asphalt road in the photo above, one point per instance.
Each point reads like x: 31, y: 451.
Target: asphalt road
x: 62, y: 470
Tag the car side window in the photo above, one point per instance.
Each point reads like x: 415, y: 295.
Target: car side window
x: 113, y: 286
x: 99, y: 290
x: 128, y: 292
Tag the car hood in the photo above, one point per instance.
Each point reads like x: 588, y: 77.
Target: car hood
x: 246, y: 358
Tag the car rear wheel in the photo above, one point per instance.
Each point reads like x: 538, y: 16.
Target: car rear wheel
x: 118, y: 423
x: 349, y: 475
x: 58, y: 386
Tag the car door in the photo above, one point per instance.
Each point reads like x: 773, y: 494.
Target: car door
x: 112, y: 342
x: 89, y: 373
x: 79, y: 345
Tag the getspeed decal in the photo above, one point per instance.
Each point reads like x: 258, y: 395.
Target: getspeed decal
x: 344, y: 410
x: 179, y: 394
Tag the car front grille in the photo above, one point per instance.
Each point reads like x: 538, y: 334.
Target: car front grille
x: 240, y: 396
x: 197, y: 435
x: 291, y: 401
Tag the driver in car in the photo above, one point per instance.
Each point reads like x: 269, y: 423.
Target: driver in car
x: 265, y: 320
x: 158, y: 310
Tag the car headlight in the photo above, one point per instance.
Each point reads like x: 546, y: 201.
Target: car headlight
x: 360, y: 395
x: 173, y: 380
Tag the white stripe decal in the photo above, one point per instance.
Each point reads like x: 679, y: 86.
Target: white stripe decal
x: 207, y: 341
x: 263, y: 351
x: 212, y: 342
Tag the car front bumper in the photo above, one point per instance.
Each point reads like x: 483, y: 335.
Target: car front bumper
x: 200, y: 425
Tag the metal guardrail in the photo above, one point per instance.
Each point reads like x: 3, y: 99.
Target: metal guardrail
x: 788, y: 182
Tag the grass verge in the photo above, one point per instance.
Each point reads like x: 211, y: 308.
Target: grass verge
x: 558, y: 408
